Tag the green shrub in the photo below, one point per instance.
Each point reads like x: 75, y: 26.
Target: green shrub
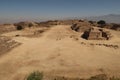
x: 35, y: 76
x: 101, y: 23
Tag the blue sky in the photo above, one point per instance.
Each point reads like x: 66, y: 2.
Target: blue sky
x: 15, y: 10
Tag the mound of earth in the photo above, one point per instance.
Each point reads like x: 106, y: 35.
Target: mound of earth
x: 81, y: 26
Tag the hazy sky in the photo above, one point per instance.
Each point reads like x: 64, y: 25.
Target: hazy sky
x: 15, y: 10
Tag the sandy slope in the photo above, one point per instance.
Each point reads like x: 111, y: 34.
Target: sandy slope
x: 58, y: 52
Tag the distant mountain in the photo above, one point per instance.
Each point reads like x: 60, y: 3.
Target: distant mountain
x: 111, y: 18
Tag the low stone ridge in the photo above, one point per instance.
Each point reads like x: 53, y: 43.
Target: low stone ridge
x: 7, y: 28
x: 114, y: 46
x: 6, y: 44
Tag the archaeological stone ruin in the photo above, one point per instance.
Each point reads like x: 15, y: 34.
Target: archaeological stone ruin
x: 96, y: 34
x: 81, y: 26
x: 91, y: 32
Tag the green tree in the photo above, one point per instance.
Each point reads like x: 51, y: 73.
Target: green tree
x: 101, y: 23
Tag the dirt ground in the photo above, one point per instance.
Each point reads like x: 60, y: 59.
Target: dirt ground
x: 60, y: 51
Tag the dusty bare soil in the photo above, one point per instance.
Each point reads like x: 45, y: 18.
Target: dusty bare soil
x: 60, y: 52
